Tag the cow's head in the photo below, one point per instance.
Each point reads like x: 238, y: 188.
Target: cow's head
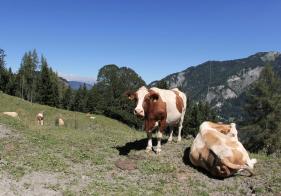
x: 151, y: 102
x: 138, y: 96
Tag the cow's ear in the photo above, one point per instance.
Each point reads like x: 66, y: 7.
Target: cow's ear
x: 153, y: 96
x: 130, y: 94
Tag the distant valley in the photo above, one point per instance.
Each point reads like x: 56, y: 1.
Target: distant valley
x: 75, y: 85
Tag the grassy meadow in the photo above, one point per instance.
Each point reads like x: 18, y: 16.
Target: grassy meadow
x: 86, y: 157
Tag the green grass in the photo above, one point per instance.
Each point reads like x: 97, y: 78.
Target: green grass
x: 81, y: 160
x: 155, y: 167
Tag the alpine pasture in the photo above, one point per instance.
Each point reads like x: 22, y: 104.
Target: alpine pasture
x: 105, y: 157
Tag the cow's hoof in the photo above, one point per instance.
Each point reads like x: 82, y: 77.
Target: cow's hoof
x: 179, y: 139
x: 158, y: 150
x: 148, y: 149
x: 170, y: 140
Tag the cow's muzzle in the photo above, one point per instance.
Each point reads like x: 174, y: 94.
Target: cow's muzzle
x: 139, y: 113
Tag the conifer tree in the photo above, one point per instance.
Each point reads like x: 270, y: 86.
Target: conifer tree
x: 196, y: 113
x: 162, y: 84
x: 11, y: 85
x: 54, y: 80
x: 45, y: 86
x: 27, y: 75
x: 81, y: 99
x: 96, y: 101
x: 264, y: 109
x: 3, y: 72
x: 67, y: 99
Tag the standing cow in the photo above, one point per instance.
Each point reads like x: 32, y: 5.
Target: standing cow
x: 40, y: 118
x: 159, y: 108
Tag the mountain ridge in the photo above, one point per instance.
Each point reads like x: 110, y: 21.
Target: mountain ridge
x: 219, y: 81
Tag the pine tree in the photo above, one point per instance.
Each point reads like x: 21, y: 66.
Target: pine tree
x: 67, y: 99
x: 27, y: 75
x: 81, y: 99
x: 3, y: 72
x: 196, y: 113
x: 45, y: 86
x: 11, y: 85
x: 34, y: 75
x: 96, y: 102
x: 85, y: 97
x: 54, y: 80
x: 264, y: 106
x: 162, y: 84
x: 76, y: 106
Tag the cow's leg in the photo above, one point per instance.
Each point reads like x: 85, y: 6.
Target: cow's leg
x: 171, y: 135
x: 180, y: 126
x: 159, y: 137
x: 162, y: 125
x: 179, y: 134
x: 149, y: 143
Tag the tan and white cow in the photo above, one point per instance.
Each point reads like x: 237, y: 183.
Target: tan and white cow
x: 159, y: 108
x: 12, y: 114
x: 60, y: 122
x: 216, y: 148
x: 40, y: 118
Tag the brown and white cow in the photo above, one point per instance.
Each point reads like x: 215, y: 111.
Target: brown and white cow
x: 159, y: 108
x: 40, y: 118
x: 216, y: 148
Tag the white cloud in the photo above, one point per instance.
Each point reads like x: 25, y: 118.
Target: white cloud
x: 73, y: 77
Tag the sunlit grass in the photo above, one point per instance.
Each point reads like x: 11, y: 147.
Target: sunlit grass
x: 87, y: 149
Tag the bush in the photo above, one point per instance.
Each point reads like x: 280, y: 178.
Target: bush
x: 123, y: 116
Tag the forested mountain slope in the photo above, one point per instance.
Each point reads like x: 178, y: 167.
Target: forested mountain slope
x: 222, y: 83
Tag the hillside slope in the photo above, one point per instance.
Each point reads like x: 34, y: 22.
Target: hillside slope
x: 222, y: 82
x: 81, y: 159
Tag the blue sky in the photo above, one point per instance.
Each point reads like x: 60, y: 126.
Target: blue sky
x: 154, y: 37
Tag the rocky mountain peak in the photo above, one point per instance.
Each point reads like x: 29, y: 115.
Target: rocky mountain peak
x: 270, y: 56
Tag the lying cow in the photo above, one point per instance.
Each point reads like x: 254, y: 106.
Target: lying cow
x: 12, y: 114
x: 40, y: 118
x: 216, y: 148
x: 59, y: 122
x: 159, y: 108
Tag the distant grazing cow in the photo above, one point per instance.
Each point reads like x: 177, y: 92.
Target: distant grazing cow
x: 40, y: 118
x: 159, y: 108
x: 60, y: 122
x: 216, y: 148
x: 12, y: 114
x: 92, y: 117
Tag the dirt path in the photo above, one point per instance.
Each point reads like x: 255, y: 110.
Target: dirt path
x: 4, y: 131
x: 35, y: 183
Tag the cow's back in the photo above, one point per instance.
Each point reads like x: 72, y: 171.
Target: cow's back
x: 182, y: 95
x: 169, y: 97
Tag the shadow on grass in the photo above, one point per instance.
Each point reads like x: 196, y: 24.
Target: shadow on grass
x: 137, y: 145
x: 187, y: 161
